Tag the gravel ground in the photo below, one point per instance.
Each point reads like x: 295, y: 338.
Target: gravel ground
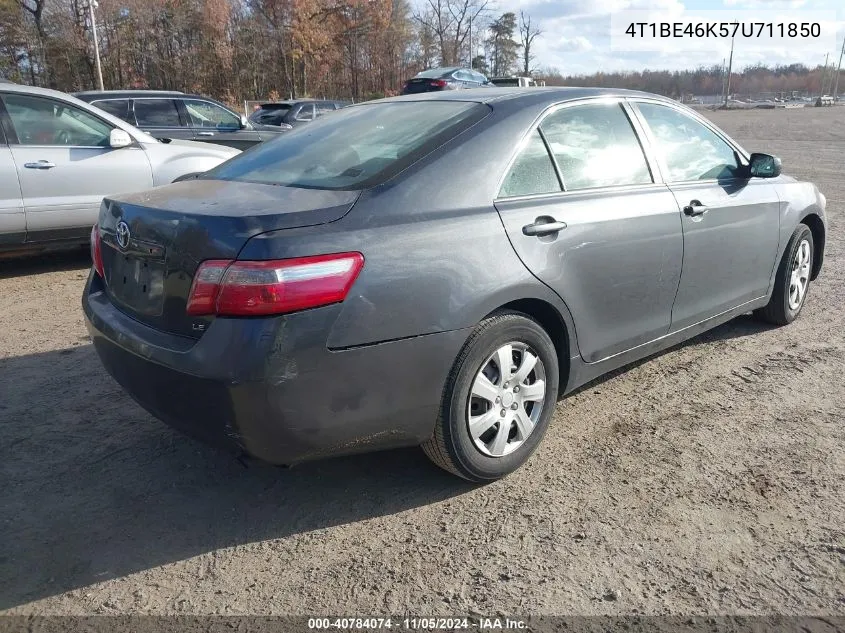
x: 708, y: 480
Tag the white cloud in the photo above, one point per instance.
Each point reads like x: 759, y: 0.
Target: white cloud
x: 577, y: 43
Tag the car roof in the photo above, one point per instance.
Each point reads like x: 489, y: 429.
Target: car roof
x: 292, y: 102
x: 128, y: 94
x: 550, y: 94
x: 69, y: 98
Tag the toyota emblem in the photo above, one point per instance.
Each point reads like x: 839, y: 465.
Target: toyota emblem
x: 122, y: 234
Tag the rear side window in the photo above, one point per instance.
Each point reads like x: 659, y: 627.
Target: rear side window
x: 324, y: 108
x: 532, y: 171
x: 595, y: 146
x: 357, y: 147
x: 115, y: 107
x: 157, y: 113
x: 690, y: 150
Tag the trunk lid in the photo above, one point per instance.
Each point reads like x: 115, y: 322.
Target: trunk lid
x: 422, y: 84
x: 172, y: 229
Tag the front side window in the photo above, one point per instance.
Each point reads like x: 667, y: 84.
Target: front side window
x: 40, y: 121
x: 689, y: 150
x: 532, y: 171
x: 594, y: 145
x: 157, y: 113
x: 115, y: 107
x: 306, y: 112
x: 356, y: 147
x: 206, y: 114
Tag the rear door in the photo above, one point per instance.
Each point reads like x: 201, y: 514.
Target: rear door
x: 215, y: 124
x: 12, y: 218
x: 160, y: 117
x: 731, y: 223
x: 586, y: 216
x: 65, y: 165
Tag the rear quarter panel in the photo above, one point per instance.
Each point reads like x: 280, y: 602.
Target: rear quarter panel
x: 437, y: 257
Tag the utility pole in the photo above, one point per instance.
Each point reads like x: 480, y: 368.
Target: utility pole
x: 824, y: 75
x: 730, y: 68
x: 838, y: 70
x: 91, y: 5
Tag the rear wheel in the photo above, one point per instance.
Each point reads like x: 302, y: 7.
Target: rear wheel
x: 792, y: 280
x: 499, y: 399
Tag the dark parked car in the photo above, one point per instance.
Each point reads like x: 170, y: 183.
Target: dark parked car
x: 439, y: 269
x: 165, y: 114
x: 287, y: 114
x: 435, y: 79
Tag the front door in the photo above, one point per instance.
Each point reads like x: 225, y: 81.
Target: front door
x: 65, y: 165
x: 214, y: 124
x: 607, y: 239
x: 731, y: 223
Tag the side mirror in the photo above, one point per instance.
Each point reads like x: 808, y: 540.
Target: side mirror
x: 119, y: 138
x: 764, y: 166
x: 244, y: 122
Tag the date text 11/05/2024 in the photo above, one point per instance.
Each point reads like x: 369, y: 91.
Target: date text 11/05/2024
x: 418, y: 624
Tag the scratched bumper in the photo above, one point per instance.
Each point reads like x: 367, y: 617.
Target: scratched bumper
x: 270, y: 387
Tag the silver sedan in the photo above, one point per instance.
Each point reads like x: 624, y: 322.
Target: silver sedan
x: 60, y: 156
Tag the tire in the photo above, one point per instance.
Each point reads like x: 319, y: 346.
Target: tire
x: 488, y: 456
x: 782, y: 308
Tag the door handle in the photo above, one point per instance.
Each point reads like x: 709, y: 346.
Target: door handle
x: 544, y: 225
x: 695, y: 208
x: 41, y: 164
x: 205, y: 133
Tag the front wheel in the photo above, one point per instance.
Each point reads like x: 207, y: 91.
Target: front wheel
x: 499, y: 399
x: 792, y: 280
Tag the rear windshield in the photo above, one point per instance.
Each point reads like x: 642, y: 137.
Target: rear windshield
x: 354, y: 148
x: 436, y: 72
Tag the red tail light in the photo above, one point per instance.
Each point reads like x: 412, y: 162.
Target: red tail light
x: 439, y: 83
x: 96, y: 251
x: 254, y: 288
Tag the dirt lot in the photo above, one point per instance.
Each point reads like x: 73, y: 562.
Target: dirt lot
x: 708, y: 480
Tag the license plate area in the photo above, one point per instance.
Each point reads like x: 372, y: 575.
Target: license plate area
x: 137, y: 283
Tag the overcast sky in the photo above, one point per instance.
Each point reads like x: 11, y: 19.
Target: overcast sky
x: 576, y: 33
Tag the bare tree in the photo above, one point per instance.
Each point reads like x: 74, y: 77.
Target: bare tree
x: 449, y: 21
x: 527, y: 34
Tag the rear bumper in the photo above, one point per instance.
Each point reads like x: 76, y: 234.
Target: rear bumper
x: 270, y: 387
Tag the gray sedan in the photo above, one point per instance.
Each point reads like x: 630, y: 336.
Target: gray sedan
x: 438, y: 269
x: 60, y: 156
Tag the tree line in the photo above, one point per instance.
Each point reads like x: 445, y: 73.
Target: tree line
x: 266, y: 49
x: 256, y: 49
x: 753, y: 80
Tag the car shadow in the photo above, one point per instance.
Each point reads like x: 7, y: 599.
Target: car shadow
x: 741, y: 326
x: 95, y: 488
x: 15, y: 265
